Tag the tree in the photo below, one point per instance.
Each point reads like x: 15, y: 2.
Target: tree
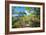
x: 28, y: 8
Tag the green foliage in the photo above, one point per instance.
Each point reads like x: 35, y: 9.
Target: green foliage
x: 37, y: 11
x: 28, y: 8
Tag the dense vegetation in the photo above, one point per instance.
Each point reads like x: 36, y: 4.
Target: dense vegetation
x: 32, y: 19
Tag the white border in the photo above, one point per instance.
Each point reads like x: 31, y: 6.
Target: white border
x: 25, y: 29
